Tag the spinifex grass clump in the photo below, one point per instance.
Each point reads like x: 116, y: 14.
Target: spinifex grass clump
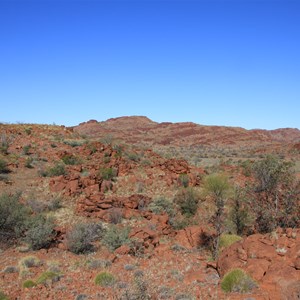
x: 237, y: 280
x: 27, y: 284
x: 105, y: 279
x: 227, y: 240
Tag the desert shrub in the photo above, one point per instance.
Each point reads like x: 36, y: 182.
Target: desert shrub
x: 48, y: 277
x: 115, y: 237
x: 184, y: 180
x: 227, y: 240
x: 36, y: 206
x: 10, y: 269
x: 108, y: 173
x: 74, y: 143
x: 28, y: 130
x: 29, y: 262
x: 116, y: 216
x: 70, y: 159
x: 80, y: 237
x: 54, y: 204
x: 187, y: 200
x: 27, y: 284
x: 13, y: 215
x: 26, y: 149
x: 3, y: 167
x: 217, y: 187
x: 246, y: 168
x: 28, y: 163
x: 133, y: 156
x: 5, y: 141
x: 105, y: 279
x: 98, y: 263
x: 4, y: 178
x: 162, y: 205
x: 237, y: 280
x: 3, y: 296
x: 275, y: 194
x: 57, y: 170
x: 40, y: 232
x: 239, y: 213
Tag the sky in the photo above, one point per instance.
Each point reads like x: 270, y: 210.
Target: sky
x: 213, y: 62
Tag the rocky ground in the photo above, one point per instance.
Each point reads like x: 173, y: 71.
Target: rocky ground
x: 110, y: 182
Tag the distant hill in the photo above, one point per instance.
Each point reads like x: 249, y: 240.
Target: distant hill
x: 141, y: 130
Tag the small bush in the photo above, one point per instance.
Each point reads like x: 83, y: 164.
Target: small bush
x: 108, y: 173
x: 3, y: 167
x: 115, y: 237
x: 116, y: 216
x: 3, y: 296
x: 54, y: 204
x: 48, y: 277
x: 74, y: 143
x: 28, y: 163
x: 5, y: 142
x: 70, y: 159
x: 161, y: 205
x: 27, y: 284
x: 105, y: 279
x: 40, y: 232
x: 184, y: 180
x: 29, y: 262
x: 13, y: 215
x: 80, y: 237
x: 237, y: 280
x: 26, y: 149
x: 187, y: 200
x: 10, y: 269
x: 57, y: 170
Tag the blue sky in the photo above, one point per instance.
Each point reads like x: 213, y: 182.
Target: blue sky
x: 221, y: 62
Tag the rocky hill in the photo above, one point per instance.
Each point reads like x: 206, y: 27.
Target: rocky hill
x: 141, y: 130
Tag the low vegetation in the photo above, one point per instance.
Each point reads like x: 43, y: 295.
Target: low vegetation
x: 237, y: 280
x: 105, y: 279
x: 79, y: 239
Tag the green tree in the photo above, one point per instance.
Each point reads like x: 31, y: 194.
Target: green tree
x: 217, y: 187
x: 275, y: 194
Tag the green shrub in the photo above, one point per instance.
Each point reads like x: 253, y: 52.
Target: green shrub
x: 27, y: 284
x: 161, y: 205
x: 105, y: 279
x: 70, y: 159
x: 184, y: 180
x: 13, y: 215
x: 237, y: 280
x: 227, y: 240
x: 74, y: 143
x: 28, y: 163
x: 57, y: 170
x: 26, y: 149
x: 80, y: 237
x: 40, y: 232
x: 48, y: 277
x: 3, y: 296
x: 3, y: 167
x: 187, y: 200
x: 29, y: 262
x: 108, y: 173
x: 5, y: 142
x: 115, y: 237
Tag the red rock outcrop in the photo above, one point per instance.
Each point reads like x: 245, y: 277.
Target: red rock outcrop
x: 272, y: 260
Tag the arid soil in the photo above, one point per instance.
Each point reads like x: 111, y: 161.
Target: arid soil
x: 112, y: 175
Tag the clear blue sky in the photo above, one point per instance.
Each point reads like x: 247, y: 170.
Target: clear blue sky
x: 222, y: 62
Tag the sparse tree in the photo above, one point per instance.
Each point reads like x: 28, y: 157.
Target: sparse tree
x: 217, y: 186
